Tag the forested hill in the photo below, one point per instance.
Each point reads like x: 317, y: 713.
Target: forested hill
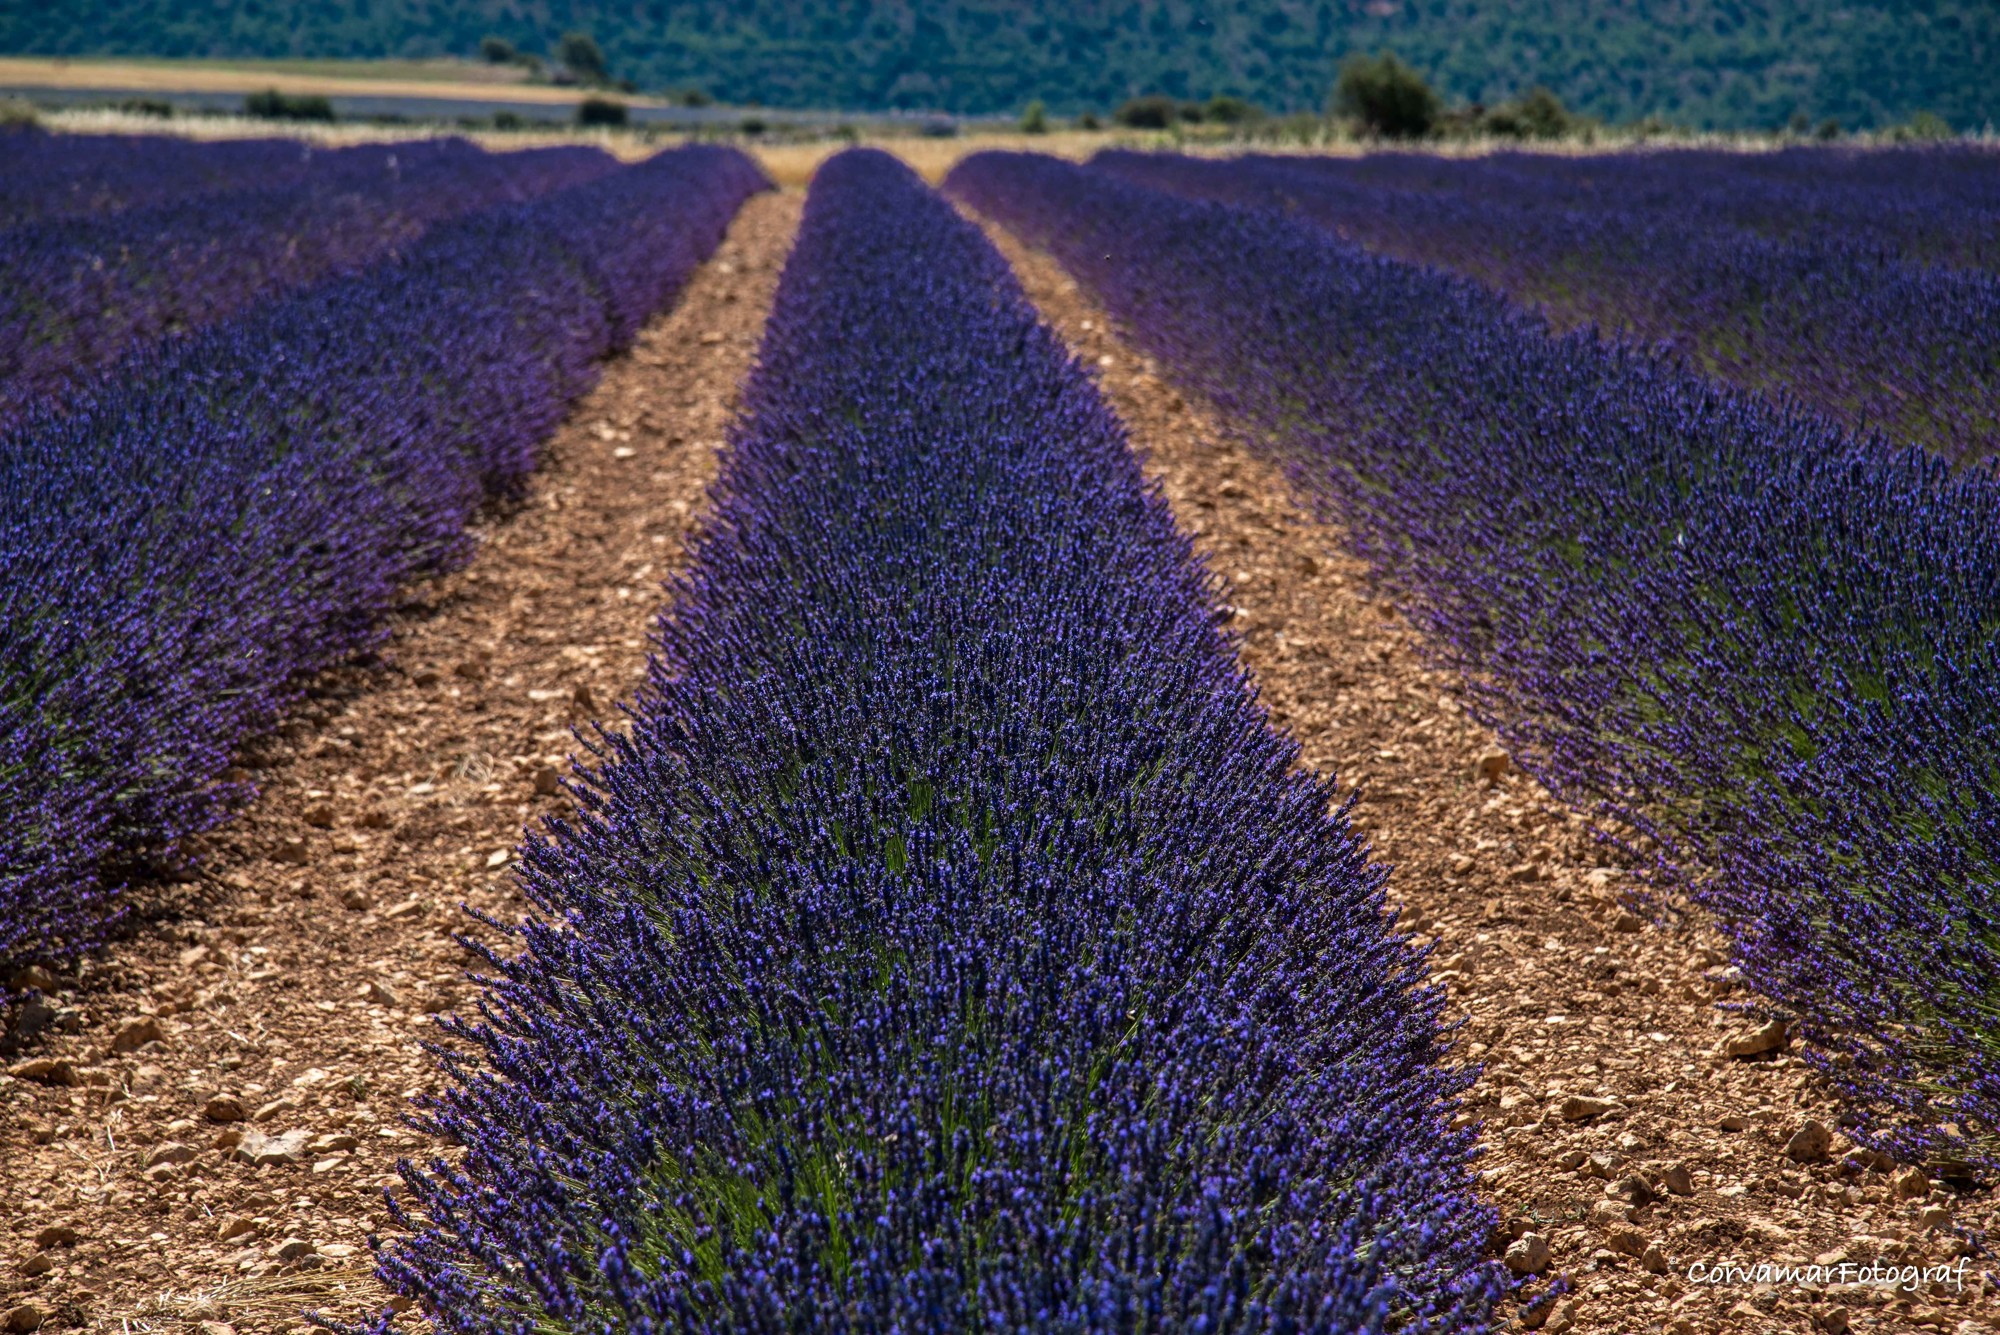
x: 1723, y: 63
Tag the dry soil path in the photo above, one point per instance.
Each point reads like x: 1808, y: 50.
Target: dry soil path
x: 1616, y: 1129
x: 209, y: 1140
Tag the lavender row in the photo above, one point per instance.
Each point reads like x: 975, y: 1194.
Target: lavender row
x: 239, y: 509
x: 950, y: 945
x: 76, y: 294
x: 44, y: 176
x: 1934, y: 204
x: 1871, y: 339
x: 1767, y: 645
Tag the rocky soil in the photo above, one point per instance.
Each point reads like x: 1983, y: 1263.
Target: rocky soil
x: 1633, y: 1128
x: 201, y: 1138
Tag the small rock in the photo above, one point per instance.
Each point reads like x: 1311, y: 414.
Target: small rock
x: 1635, y: 1189
x: 292, y: 1249
x: 1580, y: 1108
x: 1832, y: 1320
x: 1678, y: 1180
x: 1627, y: 1241
x: 1911, y: 1184
x: 497, y: 858
x: 228, y: 1139
x: 31, y: 978
x: 337, y: 1251
x: 55, y: 1235
x: 547, y: 782
x: 1767, y: 1037
x: 194, y: 955
x: 333, y: 1142
x: 1571, y: 1159
x: 136, y: 1033
x: 37, y: 1264
x: 351, y: 898
x: 404, y: 909
x: 266, y: 1111
x: 373, y: 819
x: 1653, y: 1261
x: 425, y: 677
x: 471, y: 669
x: 236, y: 1226
x: 223, y: 1108
x: 1810, y: 1143
x: 216, y: 1328
x: 1627, y: 922
x: 711, y: 338
x: 1490, y: 765
x: 1605, y: 1164
x: 1934, y: 1219
x: 44, y: 1071
x: 292, y: 851
x: 583, y: 699
x: 1528, y: 1254
x: 1610, y: 1213
x: 258, y: 1149
x: 1732, y: 1121
x: 382, y: 994
x: 27, y: 1316
x: 319, y: 816
x: 172, y: 1151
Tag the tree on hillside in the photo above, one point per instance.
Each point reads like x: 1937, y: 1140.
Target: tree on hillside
x: 1386, y: 96
x: 496, y: 50
x: 579, y: 53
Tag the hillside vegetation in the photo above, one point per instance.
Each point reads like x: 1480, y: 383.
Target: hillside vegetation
x: 1704, y: 63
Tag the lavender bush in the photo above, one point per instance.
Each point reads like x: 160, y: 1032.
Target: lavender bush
x: 89, y: 175
x: 1729, y: 626
x: 240, y: 507
x: 951, y: 945
x: 76, y: 294
x: 1840, y: 318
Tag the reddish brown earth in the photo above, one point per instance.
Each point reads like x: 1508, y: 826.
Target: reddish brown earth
x: 281, y: 1007
x: 1600, y: 1031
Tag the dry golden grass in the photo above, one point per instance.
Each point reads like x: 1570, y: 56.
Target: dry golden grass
x: 150, y: 77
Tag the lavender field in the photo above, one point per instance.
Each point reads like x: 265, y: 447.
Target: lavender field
x: 953, y: 927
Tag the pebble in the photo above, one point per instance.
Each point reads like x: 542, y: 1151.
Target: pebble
x: 1528, y: 1254
x: 26, y: 1316
x: 55, y: 1235
x: 136, y: 1033
x: 44, y: 1071
x: 1490, y: 765
x: 1810, y: 1143
x: 257, y: 1149
x: 1911, y: 1184
x: 236, y: 1226
x: 223, y: 1108
x: 319, y: 816
x: 292, y: 1249
x: 1767, y: 1037
x: 382, y: 994
x: 1580, y: 1108
x: 292, y: 851
x: 171, y: 1152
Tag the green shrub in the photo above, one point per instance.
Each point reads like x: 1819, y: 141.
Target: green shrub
x: 1388, y: 97
x: 1147, y: 113
x: 579, y: 53
x: 17, y: 115
x: 1230, y: 111
x: 1537, y: 114
x: 753, y: 125
x: 694, y: 97
x: 1035, y: 119
x: 1088, y: 121
x: 1828, y: 129
x: 272, y: 105
x: 497, y: 51
x: 509, y: 120
x: 147, y: 106
x: 602, y: 111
